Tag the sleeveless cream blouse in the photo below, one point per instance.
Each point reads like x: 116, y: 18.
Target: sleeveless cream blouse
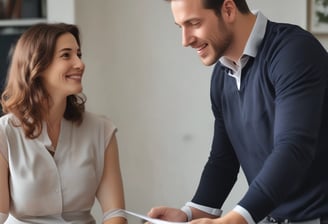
x: 60, y: 188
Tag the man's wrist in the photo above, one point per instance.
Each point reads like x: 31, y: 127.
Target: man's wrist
x: 187, y: 210
x: 243, y: 212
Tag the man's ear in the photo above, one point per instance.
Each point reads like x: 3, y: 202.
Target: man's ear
x: 229, y: 10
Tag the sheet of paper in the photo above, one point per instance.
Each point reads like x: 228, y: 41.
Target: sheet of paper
x: 151, y: 220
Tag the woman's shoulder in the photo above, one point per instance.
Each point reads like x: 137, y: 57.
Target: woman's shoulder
x: 95, y: 117
x: 91, y: 118
x: 7, y: 119
x: 98, y: 124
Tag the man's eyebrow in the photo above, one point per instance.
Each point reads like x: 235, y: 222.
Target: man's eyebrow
x: 187, y: 21
x: 177, y: 24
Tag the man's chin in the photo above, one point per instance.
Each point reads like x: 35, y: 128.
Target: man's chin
x: 207, y: 61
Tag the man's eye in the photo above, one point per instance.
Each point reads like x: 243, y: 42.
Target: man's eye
x: 195, y: 23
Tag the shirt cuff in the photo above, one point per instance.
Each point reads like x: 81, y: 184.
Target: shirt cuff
x: 244, y: 213
x: 209, y: 210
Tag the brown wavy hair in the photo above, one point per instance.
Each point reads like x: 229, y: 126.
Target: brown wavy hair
x: 24, y: 95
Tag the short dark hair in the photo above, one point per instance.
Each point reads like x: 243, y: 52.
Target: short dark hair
x: 216, y: 5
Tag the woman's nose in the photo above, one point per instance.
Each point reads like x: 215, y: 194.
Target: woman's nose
x: 79, y: 63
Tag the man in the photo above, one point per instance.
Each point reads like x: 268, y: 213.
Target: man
x: 269, y: 96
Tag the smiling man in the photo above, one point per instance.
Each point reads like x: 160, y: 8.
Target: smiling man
x: 270, y: 102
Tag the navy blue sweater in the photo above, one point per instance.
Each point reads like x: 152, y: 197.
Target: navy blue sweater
x: 275, y: 127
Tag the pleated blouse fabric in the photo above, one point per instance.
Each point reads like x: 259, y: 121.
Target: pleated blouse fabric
x: 60, y: 188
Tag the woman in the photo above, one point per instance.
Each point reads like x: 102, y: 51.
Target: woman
x: 55, y: 158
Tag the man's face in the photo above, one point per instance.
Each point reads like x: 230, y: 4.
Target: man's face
x: 201, y: 29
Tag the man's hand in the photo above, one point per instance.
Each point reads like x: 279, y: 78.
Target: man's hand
x: 168, y: 214
x: 230, y: 218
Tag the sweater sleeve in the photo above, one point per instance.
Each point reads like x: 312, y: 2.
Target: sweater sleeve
x: 221, y: 170
x: 300, y: 82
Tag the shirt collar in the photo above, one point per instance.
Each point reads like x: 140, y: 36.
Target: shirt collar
x: 253, y: 42
x: 257, y: 35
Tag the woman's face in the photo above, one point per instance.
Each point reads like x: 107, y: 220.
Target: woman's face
x: 63, y: 77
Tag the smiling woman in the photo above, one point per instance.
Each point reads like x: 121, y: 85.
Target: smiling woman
x: 64, y: 74
x: 69, y: 155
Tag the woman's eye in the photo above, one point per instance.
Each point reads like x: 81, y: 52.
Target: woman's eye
x: 65, y: 55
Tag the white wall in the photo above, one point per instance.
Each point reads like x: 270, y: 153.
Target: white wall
x: 61, y: 11
x: 157, y: 93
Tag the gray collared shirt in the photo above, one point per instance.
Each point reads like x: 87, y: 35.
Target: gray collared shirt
x: 250, y: 50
